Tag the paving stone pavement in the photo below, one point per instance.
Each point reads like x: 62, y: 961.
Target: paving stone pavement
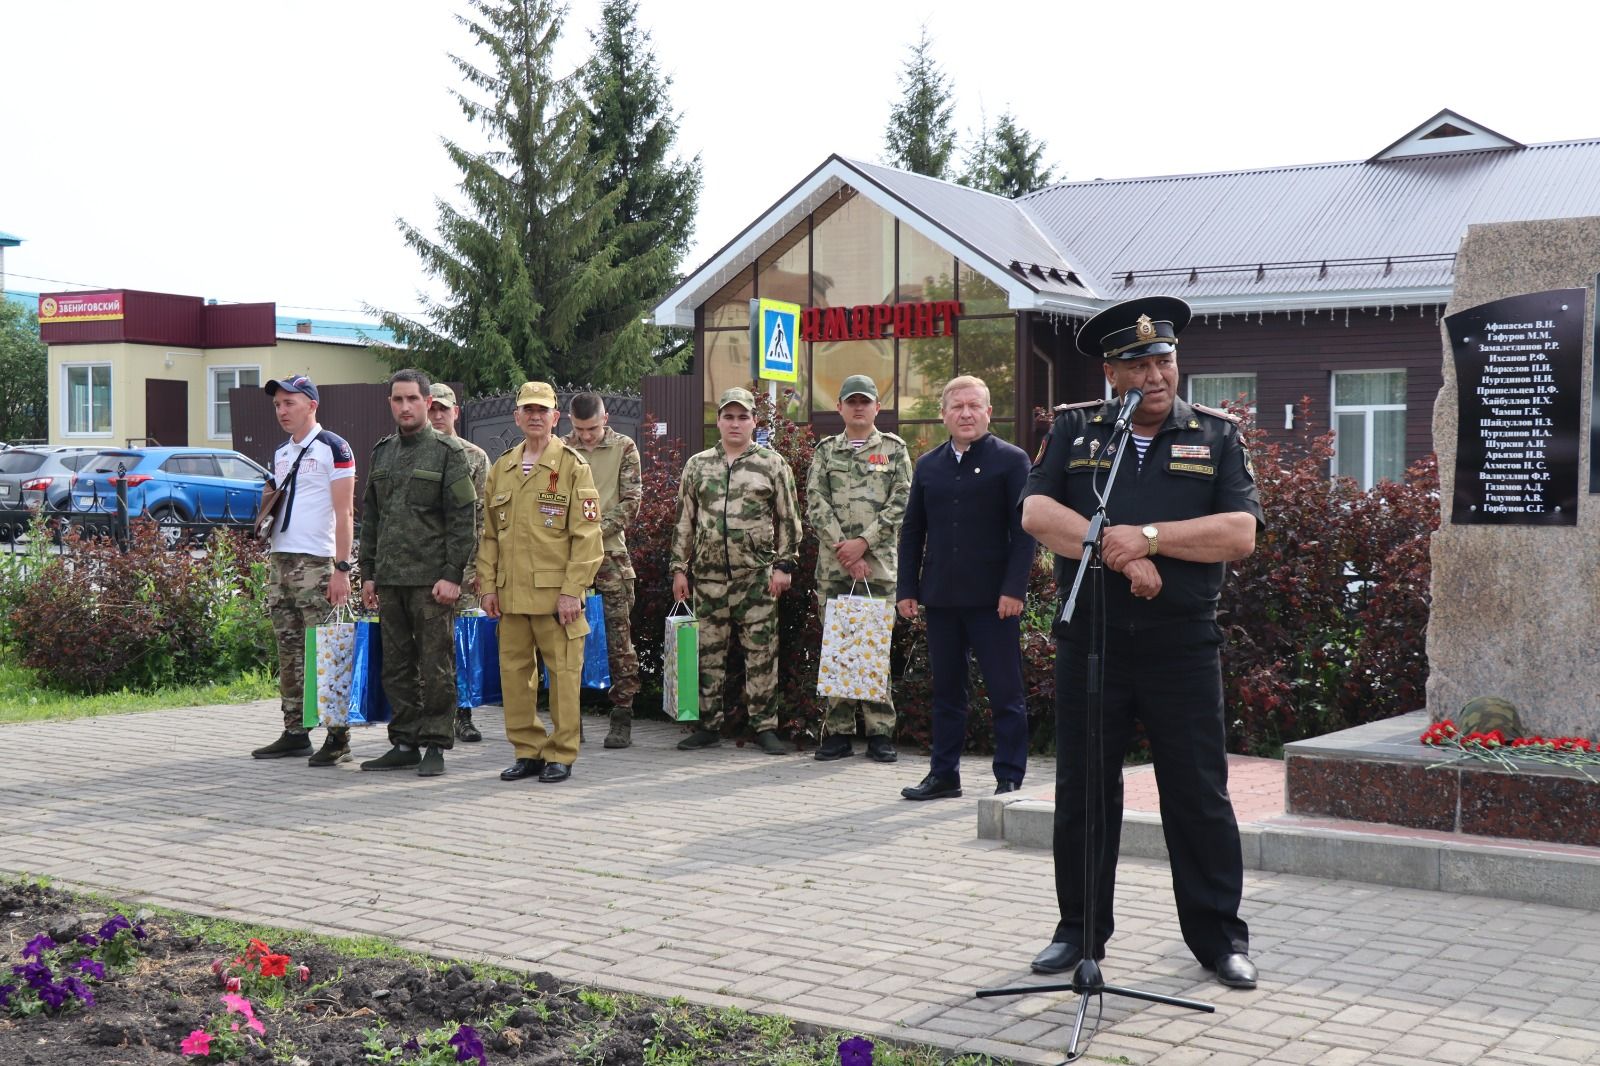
x: 777, y: 884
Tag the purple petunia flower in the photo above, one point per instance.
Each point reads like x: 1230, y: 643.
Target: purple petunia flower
x: 36, y: 974
x: 38, y: 946
x: 411, y: 1045
x: 54, y: 996
x: 857, y: 1051
x: 89, y: 940
x: 139, y: 933
x: 469, y: 1046
x: 94, y: 969
x: 5, y: 994
x: 79, y: 989
x: 113, y: 926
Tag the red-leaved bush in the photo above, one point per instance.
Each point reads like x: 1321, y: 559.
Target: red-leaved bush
x: 1327, y: 621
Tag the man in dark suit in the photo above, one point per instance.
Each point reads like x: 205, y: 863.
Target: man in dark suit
x: 964, y: 556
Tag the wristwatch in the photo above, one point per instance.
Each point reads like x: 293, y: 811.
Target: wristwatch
x: 783, y: 566
x: 343, y: 566
x: 1150, y: 536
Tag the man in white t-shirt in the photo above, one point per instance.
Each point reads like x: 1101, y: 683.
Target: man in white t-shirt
x: 310, y: 555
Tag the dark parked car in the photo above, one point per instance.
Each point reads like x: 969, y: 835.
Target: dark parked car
x: 34, y: 478
x: 175, y: 486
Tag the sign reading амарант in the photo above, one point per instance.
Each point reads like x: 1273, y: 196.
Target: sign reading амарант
x: 1519, y: 374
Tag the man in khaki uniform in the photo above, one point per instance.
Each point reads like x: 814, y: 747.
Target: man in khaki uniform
x: 614, y: 462
x: 540, y: 550
x: 442, y: 415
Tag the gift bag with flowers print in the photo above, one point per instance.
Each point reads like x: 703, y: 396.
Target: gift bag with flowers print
x: 856, y: 634
x: 680, y: 665
x: 329, y: 667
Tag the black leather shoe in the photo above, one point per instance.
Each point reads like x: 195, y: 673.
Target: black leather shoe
x: 1059, y: 957
x: 522, y: 768
x: 1006, y: 786
x: 555, y: 771
x: 933, y: 787
x: 700, y: 738
x: 1236, y: 971
x: 881, y: 749
x: 432, y: 764
x: 836, y: 746
x: 396, y: 758
x: 286, y: 745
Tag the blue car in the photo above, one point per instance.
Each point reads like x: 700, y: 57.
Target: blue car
x: 175, y: 486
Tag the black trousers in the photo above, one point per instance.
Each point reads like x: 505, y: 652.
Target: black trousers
x: 1171, y: 680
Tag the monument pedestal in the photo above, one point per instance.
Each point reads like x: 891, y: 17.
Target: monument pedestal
x: 1381, y: 772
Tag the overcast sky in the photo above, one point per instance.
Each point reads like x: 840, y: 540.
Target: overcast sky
x: 255, y: 151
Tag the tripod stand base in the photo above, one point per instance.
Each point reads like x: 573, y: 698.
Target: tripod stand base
x: 1087, y: 981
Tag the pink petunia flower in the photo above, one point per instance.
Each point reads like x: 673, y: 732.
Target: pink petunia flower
x: 196, y: 1043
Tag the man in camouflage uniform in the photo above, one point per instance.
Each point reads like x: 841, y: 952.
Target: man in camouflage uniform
x: 614, y: 462
x: 736, y: 539
x: 442, y: 415
x: 416, y: 541
x: 855, y: 500
x: 540, y: 549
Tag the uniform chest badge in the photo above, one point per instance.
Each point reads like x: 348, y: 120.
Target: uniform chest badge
x: 1094, y: 446
x: 555, y: 478
x: 1077, y: 441
x: 591, y: 510
x: 1191, y: 451
x: 552, y: 509
x: 878, y: 460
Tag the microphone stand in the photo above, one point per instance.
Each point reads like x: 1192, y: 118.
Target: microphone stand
x: 1086, y: 978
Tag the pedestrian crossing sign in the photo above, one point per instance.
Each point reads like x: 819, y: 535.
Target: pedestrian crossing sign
x: 774, y: 332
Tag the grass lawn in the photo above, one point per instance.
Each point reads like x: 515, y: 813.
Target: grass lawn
x: 23, y: 699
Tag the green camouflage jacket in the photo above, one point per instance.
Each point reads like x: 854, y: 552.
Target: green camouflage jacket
x: 419, y: 511
x: 735, y: 519
x: 859, y: 492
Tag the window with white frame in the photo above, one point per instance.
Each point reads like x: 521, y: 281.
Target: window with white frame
x: 88, y: 398
x: 1369, y: 423
x: 224, y: 378
x: 1218, y: 390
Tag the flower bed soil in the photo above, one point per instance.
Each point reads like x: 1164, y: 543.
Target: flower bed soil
x: 142, y: 1014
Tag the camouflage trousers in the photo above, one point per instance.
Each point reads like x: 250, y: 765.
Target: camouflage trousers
x: 616, y: 595
x: 746, y: 603
x: 468, y: 600
x: 840, y: 717
x: 419, y: 665
x: 297, y: 599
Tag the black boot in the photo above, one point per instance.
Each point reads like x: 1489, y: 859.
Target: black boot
x: 286, y: 745
x: 465, y: 730
x: 335, y: 748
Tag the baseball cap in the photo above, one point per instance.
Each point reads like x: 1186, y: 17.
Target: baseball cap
x: 299, y: 383
x: 443, y: 395
x: 739, y: 396
x: 536, y: 392
x: 858, y: 385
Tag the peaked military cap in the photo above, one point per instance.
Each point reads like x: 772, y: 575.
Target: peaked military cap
x: 1135, y: 329
x: 536, y: 392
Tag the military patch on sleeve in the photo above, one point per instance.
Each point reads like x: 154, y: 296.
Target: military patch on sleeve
x: 1044, y: 445
x: 591, y: 509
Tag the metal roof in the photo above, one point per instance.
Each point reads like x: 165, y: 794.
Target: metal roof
x: 8, y: 240
x: 1379, y: 232
x: 1331, y: 233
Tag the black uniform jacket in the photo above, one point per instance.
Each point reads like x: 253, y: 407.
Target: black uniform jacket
x: 1195, y: 466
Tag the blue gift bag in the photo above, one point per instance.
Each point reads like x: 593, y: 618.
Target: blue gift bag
x: 369, y: 704
x: 596, y: 656
x: 477, y: 660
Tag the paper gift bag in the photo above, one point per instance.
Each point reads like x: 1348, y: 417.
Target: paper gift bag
x: 329, y: 651
x: 596, y: 658
x: 477, y: 660
x: 856, y: 634
x: 680, y: 666
x: 369, y: 704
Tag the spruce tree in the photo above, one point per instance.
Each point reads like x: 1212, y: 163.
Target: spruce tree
x: 525, y: 259
x: 979, y: 157
x: 921, y: 134
x: 633, y: 129
x: 1014, y: 163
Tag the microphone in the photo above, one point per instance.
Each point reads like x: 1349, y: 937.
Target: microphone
x: 1130, y: 403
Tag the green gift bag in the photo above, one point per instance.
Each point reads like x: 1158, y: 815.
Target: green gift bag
x: 308, y: 716
x: 680, y: 667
